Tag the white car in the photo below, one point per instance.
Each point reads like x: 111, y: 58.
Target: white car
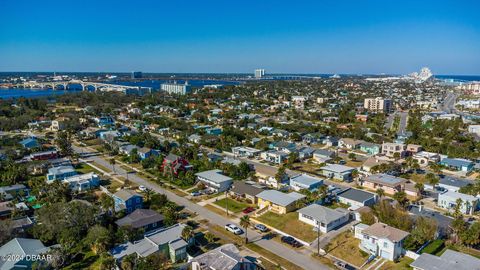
x: 234, y: 229
x: 142, y: 188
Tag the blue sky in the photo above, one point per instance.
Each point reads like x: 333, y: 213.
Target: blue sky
x: 328, y: 36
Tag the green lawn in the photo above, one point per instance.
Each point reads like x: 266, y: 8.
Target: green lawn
x: 289, y: 224
x: 434, y: 247
x: 233, y: 205
x: 85, y: 168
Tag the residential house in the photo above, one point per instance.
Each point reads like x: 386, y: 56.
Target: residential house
x: 336, y: 171
x: 225, y: 257
x: 457, y: 164
x: 349, y: 143
x: 146, y: 152
x: 424, y: 158
x: 30, y: 143
x: 215, y: 180
x: 330, y: 141
x: 127, y: 149
x: 82, y: 182
x: 274, y: 156
x: 145, y: 219
x: 413, y: 148
x: 370, y: 148
x: 323, y: 156
x: 277, y: 201
x: 109, y: 135
x: 323, y: 218
x: 449, y: 260
x: 104, y: 121
x: 214, y: 131
x: 60, y: 173
x: 194, y: 138
x: 127, y: 200
x: 384, y: 241
x: 58, y: 124
x: 267, y: 175
x: 356, y: 198
x: 390, y: 184
x: 449, y: 183
x: 304, y: 181
x: 391, y: 149
x: 245, y: 190
x: 18, y: 253
x: 13, y: 191
x: 285, y: 147
x: 174, y: 164
x: 373, y: 161
x: 167, y: 241
x: 312, y: 138
x: 448, y: 200
x: 443, y: 222
x: 305, y: 152
x: 242, y: 151
x: 45, y: 155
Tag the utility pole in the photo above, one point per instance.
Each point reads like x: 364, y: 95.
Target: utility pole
x: 318, y: 239
x: 226, y: 200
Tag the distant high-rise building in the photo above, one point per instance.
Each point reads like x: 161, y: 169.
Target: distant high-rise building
x: 378, y: 104
x: 259, y: 73
x: 174, y: 88
x: 137, y: 75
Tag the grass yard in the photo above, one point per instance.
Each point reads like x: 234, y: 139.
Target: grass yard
x: 403, y: 264
x: 435, y: 247
x: 233, y: 205
x: 102, y: 167
x: 85, y: 168
x: 353, y: 163
x: 273, y: 257
x: 345, y: 247
x: 289, y: 224
x: 218, y: 211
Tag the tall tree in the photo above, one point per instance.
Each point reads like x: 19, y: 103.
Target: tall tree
x: 245, y: 223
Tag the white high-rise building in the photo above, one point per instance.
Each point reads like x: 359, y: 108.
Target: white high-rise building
x: 259, y: 73
x: 378, y: 104
x: 174, y: 88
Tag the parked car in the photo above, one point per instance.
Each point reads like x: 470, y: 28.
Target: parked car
x: 142, y: 188
x: 291, y: 241
x: 195, y: 193
x: 342, y: 162
x: 261, y: 227
x: 343, y: 266
x: 233, y: 229
x: 248, y: 210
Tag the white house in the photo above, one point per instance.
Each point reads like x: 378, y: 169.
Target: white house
x: 215, y: 180
x: 382, y: 240
x: 337, y: 171
x: 82, y: 182
x: 322, y: 217
x: 448, y: 200
x: 274, y: 156
x: 242, y: 151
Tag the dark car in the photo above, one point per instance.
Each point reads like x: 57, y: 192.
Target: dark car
x: 291, y: 241
x: 261, y: 227
x: 248, y: 210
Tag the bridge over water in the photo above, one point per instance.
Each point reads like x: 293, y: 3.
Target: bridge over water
x: 95, y: 86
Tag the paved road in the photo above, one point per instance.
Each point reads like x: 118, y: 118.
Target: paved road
x: 402, y: 127
x: 302, y: 259
x: 448, y: 104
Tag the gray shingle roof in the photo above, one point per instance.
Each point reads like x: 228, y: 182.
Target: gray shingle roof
x: 241, y: 188
x: 356, y: 195
x: 386, y: 180
x: 322, y: 213
x: 337, y: 168
x: 225, y: 257
x: 447, y: 261
x: 140, y: 218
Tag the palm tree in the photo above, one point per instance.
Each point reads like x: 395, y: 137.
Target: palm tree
x: 420, y: 187
x: 187, y: 233
x: 148, y: 194
x: 210, y: 237
x: 380, y: 192
x: 245, y: 223
x: 112, y: 162
x: 432, y: 179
